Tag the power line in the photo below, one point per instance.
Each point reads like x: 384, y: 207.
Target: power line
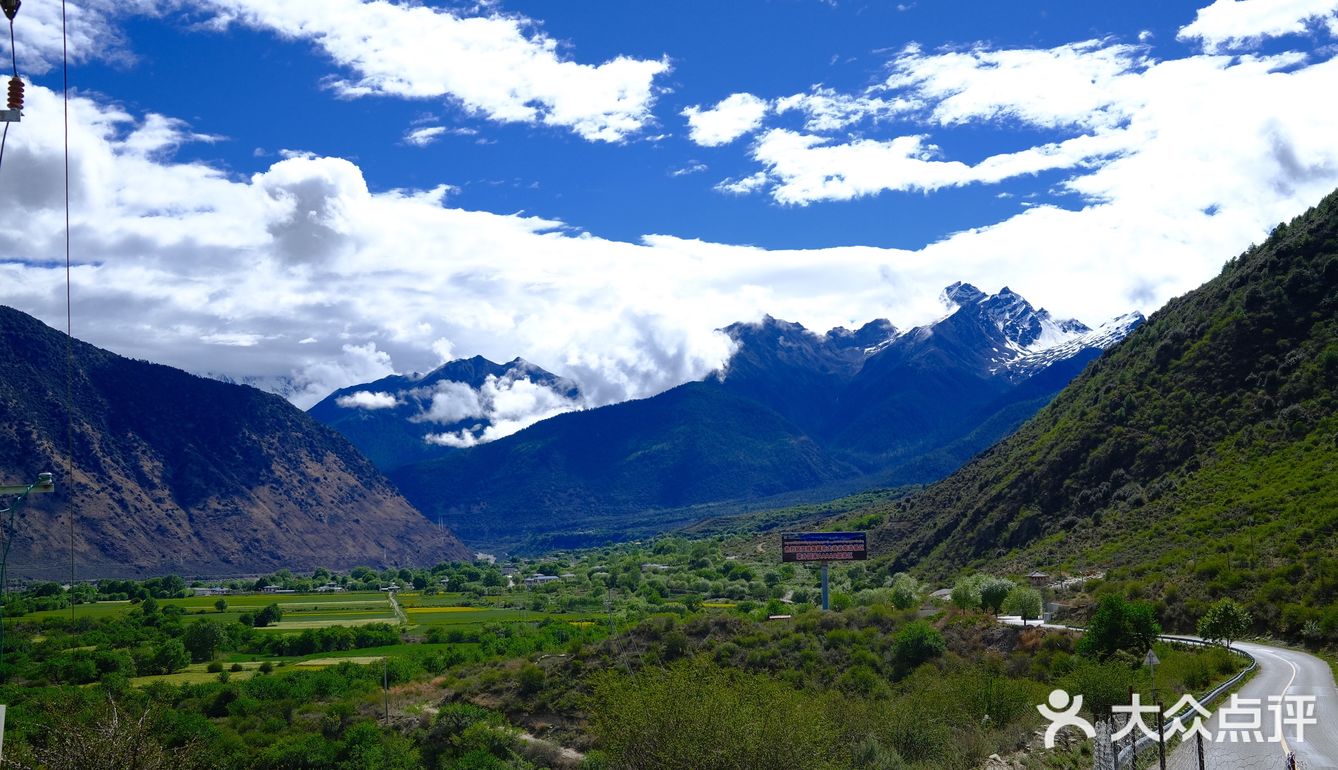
x: 69, y: 312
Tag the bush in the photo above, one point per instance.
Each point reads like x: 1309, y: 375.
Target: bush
x: 915, y: 644
x: 214, y: 667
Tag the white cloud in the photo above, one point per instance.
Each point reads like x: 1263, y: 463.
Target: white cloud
x: 233, y: 340
x: 830, y: 110
x: 809, y: 168
x: 322, y: 375
x: 92, y: 28
x: 746, y: 185
x: 693, y: 167
x: 452, y: 402
x: 1234, y: 23
x: 365, y: 399
x: 338, y: 284
x: 509, y: 404
x: 1083, y: 85
x: 422, y: 137
x: 499, y: 66
x: 728, y: 120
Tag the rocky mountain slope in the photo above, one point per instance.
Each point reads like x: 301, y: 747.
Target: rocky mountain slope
x: 165, y: 471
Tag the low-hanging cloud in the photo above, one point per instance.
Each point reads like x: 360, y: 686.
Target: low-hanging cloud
x: 365, y: 399
x: 505, y: 405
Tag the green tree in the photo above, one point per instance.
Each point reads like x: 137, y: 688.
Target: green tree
x: 221, y: 605
x: 1119, y: 625
x: 268, y: 615
x: 1024, y: 602
x: 1224, y: 622
x: 170, y: 656
x: 993, y: 592
x: 966, y: 591
x: 202, y: 639
x: 906, y: 591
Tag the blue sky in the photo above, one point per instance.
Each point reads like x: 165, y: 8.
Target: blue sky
x: 325, y: 191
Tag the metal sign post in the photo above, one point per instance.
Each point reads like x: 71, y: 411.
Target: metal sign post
x: 824, y: 547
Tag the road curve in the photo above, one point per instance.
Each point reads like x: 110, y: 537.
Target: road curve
x: 1282, y: 672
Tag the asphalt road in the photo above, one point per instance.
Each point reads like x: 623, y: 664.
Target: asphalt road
x: 1281, y: 673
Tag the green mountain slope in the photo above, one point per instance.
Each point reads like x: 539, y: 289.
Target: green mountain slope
x: 1197, y: 459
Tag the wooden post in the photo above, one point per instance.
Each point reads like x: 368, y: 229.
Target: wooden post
x: 1161, y: 735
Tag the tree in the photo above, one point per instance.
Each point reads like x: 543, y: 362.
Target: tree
x: 1024, y: 602
x: 202, y: 639
x: 1119, y: 625
x: 906, y: 591
x: 993, y: 592
x: 1224, y: 622
x: 966, y: 592
x: 170, y: 655
x: 221, y: 605
x: 268, y: 615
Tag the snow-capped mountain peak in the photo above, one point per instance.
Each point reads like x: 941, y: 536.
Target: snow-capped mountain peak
x: 1040, y: 356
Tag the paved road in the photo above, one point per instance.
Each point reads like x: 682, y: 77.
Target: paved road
x: 1281, y: 673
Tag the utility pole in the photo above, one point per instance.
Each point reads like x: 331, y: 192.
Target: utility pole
x: 385, y: 685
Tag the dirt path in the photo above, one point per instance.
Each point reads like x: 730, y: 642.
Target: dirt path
x: 399, y: 611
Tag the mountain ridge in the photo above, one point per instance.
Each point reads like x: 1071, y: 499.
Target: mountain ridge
x: 792, y: 410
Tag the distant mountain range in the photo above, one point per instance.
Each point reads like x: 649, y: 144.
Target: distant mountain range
x: 169, y: 472
x: 793, y: 411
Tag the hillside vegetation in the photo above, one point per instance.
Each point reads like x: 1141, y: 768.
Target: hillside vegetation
x: 1195, y: 460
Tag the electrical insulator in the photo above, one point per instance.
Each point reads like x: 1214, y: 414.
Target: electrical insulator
x: 15, y: 94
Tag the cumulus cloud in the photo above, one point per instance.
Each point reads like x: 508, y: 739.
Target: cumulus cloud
x: 509, y: 405
x: 93, y: 31
x: 337, y: 284
x: 498, y: 66
x: 731, y: 118
x: 364, y: 399
x: 1234, y: 23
